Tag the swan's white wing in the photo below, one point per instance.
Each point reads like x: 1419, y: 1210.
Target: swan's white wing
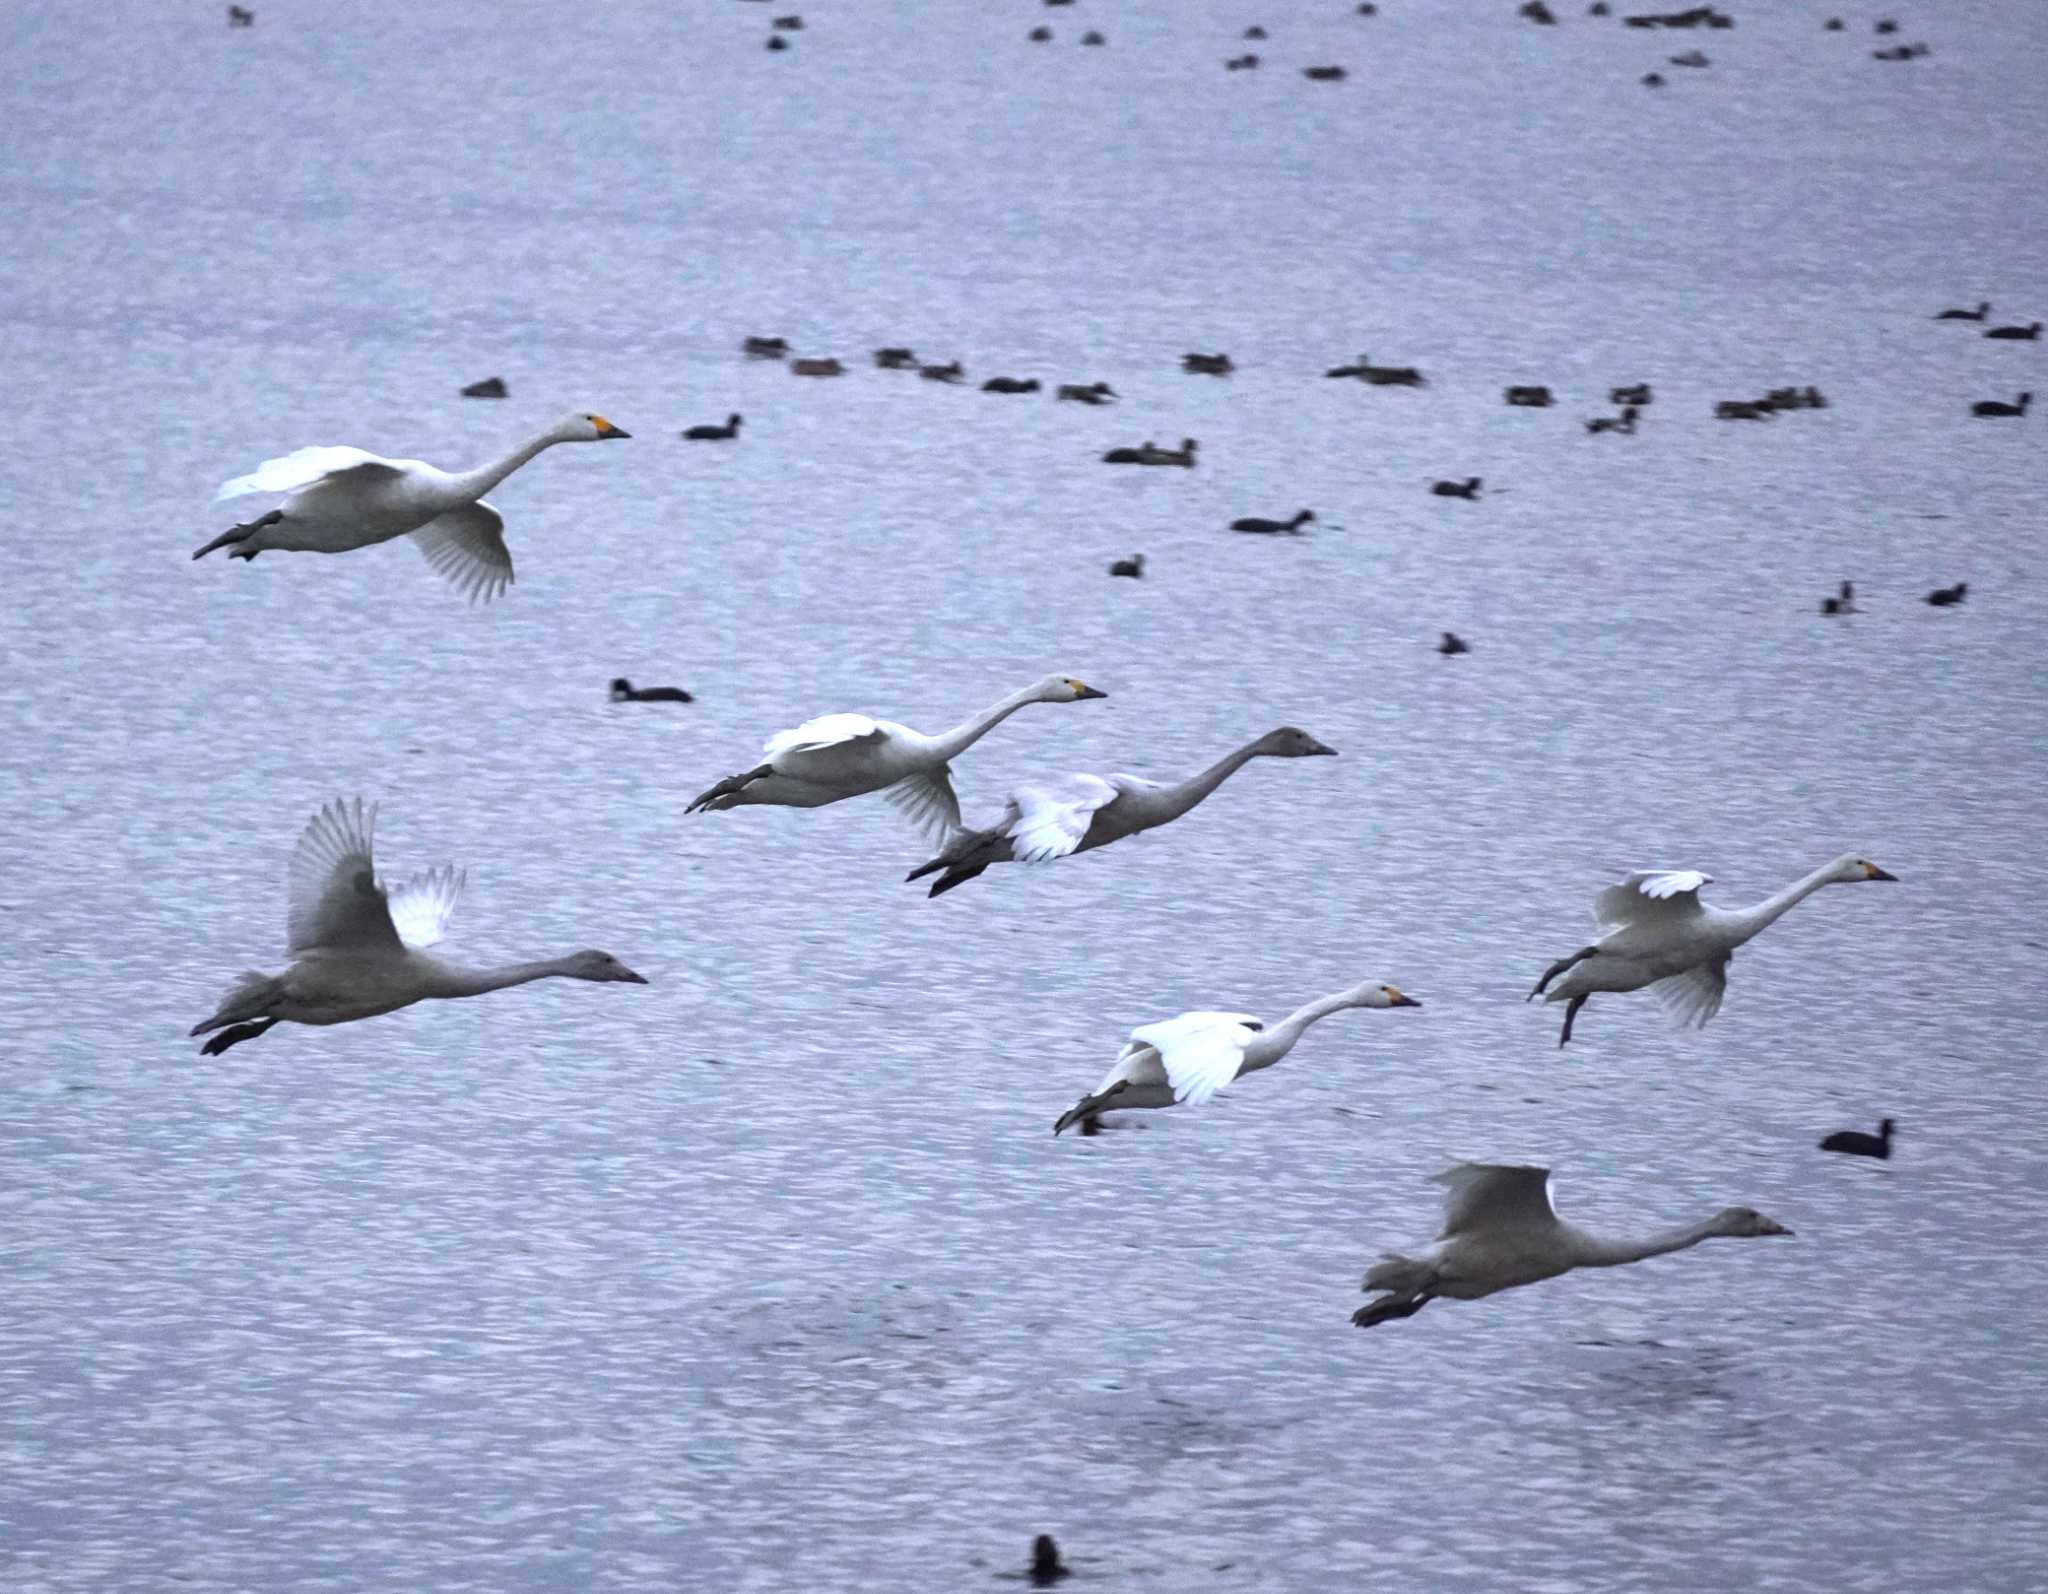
x: 467, y: 545
x: 1481, y: 1196
x: 1053, y: 819
x: 827, y: 730
x: 1651, y: 894
x: 304, y: 466
x: 1694, y: 997
x: 334, y: 898
x: 420, y: 909
x: 1137, y: 1063
x: 1202, y: 1052
x: 928, y: 801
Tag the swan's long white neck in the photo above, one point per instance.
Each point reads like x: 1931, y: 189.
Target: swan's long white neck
x: 483, y: 478
x: 449, y: 980
x: 1270, y: 1045
x: 1592, y: 1251
x: 1771, y: 909
x: 971, y: 730
x: 1177, y: 800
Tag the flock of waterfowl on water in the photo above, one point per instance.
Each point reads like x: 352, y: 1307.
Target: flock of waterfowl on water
x: 359, y: 948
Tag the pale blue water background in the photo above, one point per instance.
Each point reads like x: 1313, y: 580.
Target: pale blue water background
x: 770, y: 1276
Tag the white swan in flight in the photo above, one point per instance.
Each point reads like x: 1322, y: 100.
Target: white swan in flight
x: 357, y: 949
x: 1190, y: 1058
x: 343, y: 498
x: 1660, y: 934
x: 848, y: 755
x: 1500, y: 1231
x: 1078, y: 813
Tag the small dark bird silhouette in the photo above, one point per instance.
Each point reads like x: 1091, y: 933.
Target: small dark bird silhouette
x: 1844, y: 601
x: 1323, y: 74
x: 1040, y: 35
x: 777, y: 42
x: 1653, y: 80
x: 715, y: 434
x: 1469, y: 488
x: 1259, y: 524
x: 624, y: 691
x: 1980, y: 313
x: 1010, y: 384
x: 1948, y: 597
x: 1858, y: 1144
x: 1537, y: 11
x: 1997, y: 407
x: 1133, y: 566
x: 2027, y: 334
x: 489, y: 387
x: 241, y: 17
x: 1452, y: 643
x: 1254, y: 32
x: 1092, y: 37
x: 1046, y: 1569
x: 895, y: 359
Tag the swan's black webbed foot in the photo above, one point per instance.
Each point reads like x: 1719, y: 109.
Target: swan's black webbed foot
x: 234, y: 1036
x: 1571, y: 1011
x: 243, y: 533
x: 1387, y: 1308
x: 1556, y: 969
x: 731, y: 786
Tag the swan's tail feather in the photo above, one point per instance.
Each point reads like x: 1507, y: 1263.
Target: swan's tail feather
x: 1396, y: 1272
x: 1409, y: 1283
x: 253, y: 996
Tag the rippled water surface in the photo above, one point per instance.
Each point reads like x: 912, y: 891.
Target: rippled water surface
x: 770, y: 1276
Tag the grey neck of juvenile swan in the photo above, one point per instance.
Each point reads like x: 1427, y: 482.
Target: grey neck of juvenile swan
x: 1592, y: 1251
x: 953, y: 743
x: 481, y: 480
x: 1177, y: 800
x: 449, y: 980
x: 1771, y: 909
x: 1270, y: 1045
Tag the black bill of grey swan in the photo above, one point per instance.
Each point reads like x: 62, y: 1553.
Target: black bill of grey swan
x: 344, y: 498
x: 1078, y: 813
x: 358, y: 948
x: 1660, y: 934
x: 1190, y: 1058
x: 847, y: 755
x: 1501, y: 1231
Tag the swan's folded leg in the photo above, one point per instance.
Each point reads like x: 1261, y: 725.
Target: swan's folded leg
x: 1387, y: 1308
x: 731, y: 786
x: 1571, y: 1011
x: 955, y: 875
x: 235, y: 1036
x: 236, y: 534
x: 1088, y: 1106
x: 1558, y: 968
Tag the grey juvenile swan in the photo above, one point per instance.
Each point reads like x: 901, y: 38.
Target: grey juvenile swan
x: 359, y: 950
x: 1077, y: 813
x: 1500, y: 1231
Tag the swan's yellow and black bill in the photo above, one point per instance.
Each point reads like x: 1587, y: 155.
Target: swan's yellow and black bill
x: 605, y: 427
x: 1872, y: 872
x: 1396, y: 999
x: 1083, y: 693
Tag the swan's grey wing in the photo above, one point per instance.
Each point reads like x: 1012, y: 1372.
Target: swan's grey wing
x: 827, y: 730
x: 467, y: 545
x: 1491, y: 1196
x: 928, y: 801
x: 302, y: 467
x: 420, y: 909
x: 1201, y: 1052
x: 1651, y: 894
x: 334, y: 898
x: 1053, y: 817
x: 1695, y: 996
